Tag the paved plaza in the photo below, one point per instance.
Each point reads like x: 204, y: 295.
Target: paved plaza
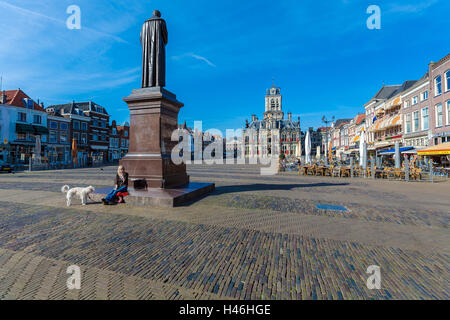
x: 255, y: 237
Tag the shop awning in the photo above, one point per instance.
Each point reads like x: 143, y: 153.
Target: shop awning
x: 440, y: 149
x: 24, y: 128
x: 392, y: 151
x: 394, y: 103
x: 40, y: 130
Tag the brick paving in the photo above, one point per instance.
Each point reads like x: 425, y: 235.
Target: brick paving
x: 254, y: 238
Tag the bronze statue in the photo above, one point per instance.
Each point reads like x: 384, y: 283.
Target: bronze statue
x: 154, y: 38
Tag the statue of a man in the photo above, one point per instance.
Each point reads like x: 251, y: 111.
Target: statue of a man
x: 154, y: 38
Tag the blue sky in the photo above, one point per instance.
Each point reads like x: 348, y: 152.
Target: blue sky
x: 222, y: 55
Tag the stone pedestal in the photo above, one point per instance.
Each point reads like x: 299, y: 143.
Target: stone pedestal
x: 153, y: 118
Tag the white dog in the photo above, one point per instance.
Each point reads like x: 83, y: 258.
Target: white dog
x: 83, y: 193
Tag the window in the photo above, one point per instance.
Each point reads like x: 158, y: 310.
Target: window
x: 425, y: 121
x: 28, y: 103
x: 448, y: 112
x: 84, y: 138
x: 126, y: 133
x: 53, y: 137
x: 424, y: 95
x: 21, y: 116
x: 76, y: 125
x: 22, y: 136
x: 84, y: 126
x: 63, y: 137
x: 37, y: 119
x: 437, y: 86
x: 406, y: 104
x: 94, y: 137
x: 53, y: 125
x: 76, y: 136
x: 439, y: 115
x: 447, y: 80
x: 415, y: 100
x: 114, y: 131
x: 63, y: 126
x: 416, y: 121
x: 408, y: 123
x: 94, y: 123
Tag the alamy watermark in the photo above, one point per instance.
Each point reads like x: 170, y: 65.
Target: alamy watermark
x: 74, y: 281
x: 74, y: 20
x: 374, y: 281
x: 241, y: 147
x: 374, y: 21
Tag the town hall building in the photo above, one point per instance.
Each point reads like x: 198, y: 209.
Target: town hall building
x: 258, y: 134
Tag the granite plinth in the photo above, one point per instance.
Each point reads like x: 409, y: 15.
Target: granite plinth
x: 153, y: 119
x: 162, y: 197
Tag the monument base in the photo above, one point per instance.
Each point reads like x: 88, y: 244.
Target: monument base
x: 153, y: 118
x: 162, y: 197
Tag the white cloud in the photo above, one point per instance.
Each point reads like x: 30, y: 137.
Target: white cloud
x: 195, y: 56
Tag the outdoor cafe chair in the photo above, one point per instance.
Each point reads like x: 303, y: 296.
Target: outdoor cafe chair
x: 336, y: 172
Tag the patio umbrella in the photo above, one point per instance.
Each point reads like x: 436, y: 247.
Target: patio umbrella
x: 299, y: 150
x: 308, y: 147
x: 37, y: 151
x: 362, y: 150
x: 74, y: 152
x: 330, y: 150
x: 397, y: 155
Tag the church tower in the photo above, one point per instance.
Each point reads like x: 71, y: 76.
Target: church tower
x: 273, y: 104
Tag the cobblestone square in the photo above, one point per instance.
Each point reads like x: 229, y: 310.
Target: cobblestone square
x: 255, y: 237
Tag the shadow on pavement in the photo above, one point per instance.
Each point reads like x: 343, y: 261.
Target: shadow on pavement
x: 268, y: 187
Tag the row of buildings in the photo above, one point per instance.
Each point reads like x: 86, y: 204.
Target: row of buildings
x: 26, y: 126
x: 416, y: 114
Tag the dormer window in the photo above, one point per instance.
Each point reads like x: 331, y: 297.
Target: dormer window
x: 28, y: 103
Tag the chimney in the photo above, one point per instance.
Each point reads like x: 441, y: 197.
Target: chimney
x: 253, y: 118
x: 3, y: 97
x: 42, y: 105
x: 246, y: 123
x: 289, y: 116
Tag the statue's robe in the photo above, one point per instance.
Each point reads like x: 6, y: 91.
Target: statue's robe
x: 154, y: 38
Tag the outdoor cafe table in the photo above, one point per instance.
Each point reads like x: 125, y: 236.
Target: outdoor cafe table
x: 321, y: 170
x: 304, y: 170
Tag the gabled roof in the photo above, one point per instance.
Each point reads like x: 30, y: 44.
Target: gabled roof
x: 405, y: 86
x: 360, y: 117
x: 340, y: 122
x: 16, y: 98
x: 386, y: 92
x: 70, y: 108
x: 280, y: 124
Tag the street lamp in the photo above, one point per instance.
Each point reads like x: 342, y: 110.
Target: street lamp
x: 326, y: 121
